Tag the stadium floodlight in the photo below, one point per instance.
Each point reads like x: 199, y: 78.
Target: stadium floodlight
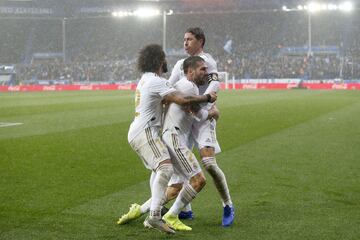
x: 324, y: 7
x: 141, y: 13
x: 346, y: 7
x: 332, y: 7
x: 285, y: 8
x: 146, y: 12
x: 122, y: 14
x: 314, y: 7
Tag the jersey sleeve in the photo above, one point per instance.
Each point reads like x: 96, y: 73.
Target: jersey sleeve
x: 214, y: 86
x: 201, y: 115
x: 163, y: 87
x: 176, y: 73
x: 186, y: 87
x: 211, y: 66
x: 210, y: 63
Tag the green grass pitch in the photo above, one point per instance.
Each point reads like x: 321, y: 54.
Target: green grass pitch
x: 292, y: 160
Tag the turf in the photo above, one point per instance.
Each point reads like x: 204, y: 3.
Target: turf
x: 291, y: 158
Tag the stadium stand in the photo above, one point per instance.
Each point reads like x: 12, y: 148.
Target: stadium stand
x: 247, y: 45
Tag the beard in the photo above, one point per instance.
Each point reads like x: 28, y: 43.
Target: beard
x: 202, y: 81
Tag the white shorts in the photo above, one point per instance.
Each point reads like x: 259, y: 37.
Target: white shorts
x: 204, y: 134
x: 150, y: 148
x: 184, y: 161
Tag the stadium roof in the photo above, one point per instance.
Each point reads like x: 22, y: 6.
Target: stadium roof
x: 174, y: 3
x: 71, y: 8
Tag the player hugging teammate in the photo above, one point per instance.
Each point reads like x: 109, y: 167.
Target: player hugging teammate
x: 191, y: 118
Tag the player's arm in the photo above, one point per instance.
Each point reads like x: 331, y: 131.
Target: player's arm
x: 214, y: 84
x: 175, y: 74
x: 214, y: 113
x: 201, y: 114
x: 182, y: 99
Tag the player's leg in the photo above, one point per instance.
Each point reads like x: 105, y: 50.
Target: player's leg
x: 145, y: 207
x: 173, y: 191
x: 158, y: 190
x: 186, y: 195
x: 163, y: 175
x: 186, y: 212
x: 209, y: 162
x: 136, y: 210
x: 205, y: 135
x: 155, y: 157
x: 184, y: 162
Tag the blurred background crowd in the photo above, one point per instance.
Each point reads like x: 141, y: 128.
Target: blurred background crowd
x: 247, y: 45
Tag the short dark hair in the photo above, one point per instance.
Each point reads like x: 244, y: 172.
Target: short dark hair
x: 150, y: 58
x: 191, y: 62
x: 198, y: 33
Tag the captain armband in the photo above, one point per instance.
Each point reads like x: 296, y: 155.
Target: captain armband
x: 213, y: 77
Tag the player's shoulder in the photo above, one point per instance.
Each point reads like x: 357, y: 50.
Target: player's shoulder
x: 153, y: 80
x: 185, y: 86
x: 179, y: 63
x: 163, y: 82
x: 207, y: 57
x: 150, y: 77
x: 209, y: 60
x: 178, y: 67
x: 184, y: 81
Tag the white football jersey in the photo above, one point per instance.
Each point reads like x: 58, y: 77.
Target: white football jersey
x: 178, y: 116
x: 214, y: 86
x: 178, y: 72
x: 149, y: 94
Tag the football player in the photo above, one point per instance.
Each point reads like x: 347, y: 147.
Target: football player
x: 144, y: 136
x: 204, y: 133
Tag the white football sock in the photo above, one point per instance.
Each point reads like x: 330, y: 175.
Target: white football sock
x: 186, y: 195
x: 187, y: 208
x: 163, y: 175
x: 152, y: 178
x: 219, y: 179
x: 146, y: 206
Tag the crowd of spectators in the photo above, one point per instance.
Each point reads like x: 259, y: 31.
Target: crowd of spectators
x: 246, y: 45
x: 78, y: 71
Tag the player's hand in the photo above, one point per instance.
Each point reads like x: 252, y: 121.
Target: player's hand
x: 214, y: 113
x: 194, y: 108
x: 213, y: 97
x: 187, y: 108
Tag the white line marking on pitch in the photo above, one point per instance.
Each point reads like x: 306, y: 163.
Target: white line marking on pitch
x: 9, y: 124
